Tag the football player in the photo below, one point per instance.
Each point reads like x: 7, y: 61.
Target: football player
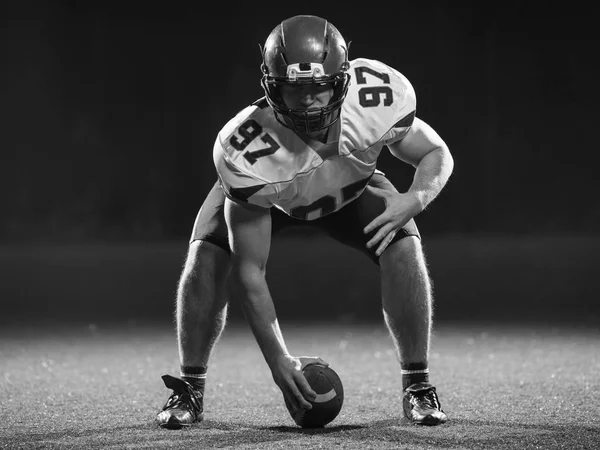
x: 306, y: 154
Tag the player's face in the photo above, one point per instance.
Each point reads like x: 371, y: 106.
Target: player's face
x: 306, y: 96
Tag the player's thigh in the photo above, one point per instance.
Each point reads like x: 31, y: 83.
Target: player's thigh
x: 369, y: 206
x: 210, y: 225
x: 208, y: 253
x: 348, y: 224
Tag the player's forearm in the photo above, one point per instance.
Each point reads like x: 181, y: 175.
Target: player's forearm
x: 250, y: 287
x: 431, y: 175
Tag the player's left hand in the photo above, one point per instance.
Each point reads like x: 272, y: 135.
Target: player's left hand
x: 399, y: 209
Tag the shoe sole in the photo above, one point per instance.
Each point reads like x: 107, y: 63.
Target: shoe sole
x: 173, y: 424
x: 428, y: 421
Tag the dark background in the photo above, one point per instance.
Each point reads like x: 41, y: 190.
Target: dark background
x: 109, y: 111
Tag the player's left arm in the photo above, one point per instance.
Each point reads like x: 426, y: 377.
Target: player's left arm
x: 425, y: 150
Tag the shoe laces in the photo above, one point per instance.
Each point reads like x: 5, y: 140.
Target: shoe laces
x: 187, y: 398
x: 428, y: 398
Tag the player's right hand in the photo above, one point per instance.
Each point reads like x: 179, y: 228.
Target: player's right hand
x: 287, y: 374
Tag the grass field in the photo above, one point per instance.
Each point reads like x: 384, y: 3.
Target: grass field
x: 503, y: 387
x: 86, y: 333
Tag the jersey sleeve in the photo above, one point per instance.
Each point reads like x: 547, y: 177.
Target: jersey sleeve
x: 380, y: 105
x: 408, y: 111
x: 239, y: 186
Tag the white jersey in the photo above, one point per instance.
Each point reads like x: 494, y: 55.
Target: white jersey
x: 262, y: 162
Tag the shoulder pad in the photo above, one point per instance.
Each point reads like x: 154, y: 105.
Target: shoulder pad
x: 379, y: 100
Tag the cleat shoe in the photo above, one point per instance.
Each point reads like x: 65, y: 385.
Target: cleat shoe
x: 183, y: 408
x: 421, y: 405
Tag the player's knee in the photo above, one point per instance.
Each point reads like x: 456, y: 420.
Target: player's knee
x: 205, y: 257
x: 203, y: 279
x: 407, y: 251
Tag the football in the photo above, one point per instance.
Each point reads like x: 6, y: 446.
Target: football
x: 330, y: 396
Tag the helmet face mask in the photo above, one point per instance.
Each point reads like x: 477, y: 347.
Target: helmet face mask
x: 305, y: 120
x: 305, y: 50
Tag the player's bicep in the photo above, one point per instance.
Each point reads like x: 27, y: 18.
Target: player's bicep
x: 249, y: 231
x: 418, y: 142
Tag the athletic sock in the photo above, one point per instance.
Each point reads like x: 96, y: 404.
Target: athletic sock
x: 195, y: 375
x: 414, y: 373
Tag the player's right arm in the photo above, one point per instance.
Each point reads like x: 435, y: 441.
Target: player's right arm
x: 249, y: 230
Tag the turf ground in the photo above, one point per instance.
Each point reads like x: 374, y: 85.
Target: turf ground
x: 86, y: 333
x: 99, y: 387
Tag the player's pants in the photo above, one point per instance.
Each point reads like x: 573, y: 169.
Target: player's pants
x: 345, y: 225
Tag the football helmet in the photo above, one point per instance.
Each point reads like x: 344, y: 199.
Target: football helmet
x: 305, y: 50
